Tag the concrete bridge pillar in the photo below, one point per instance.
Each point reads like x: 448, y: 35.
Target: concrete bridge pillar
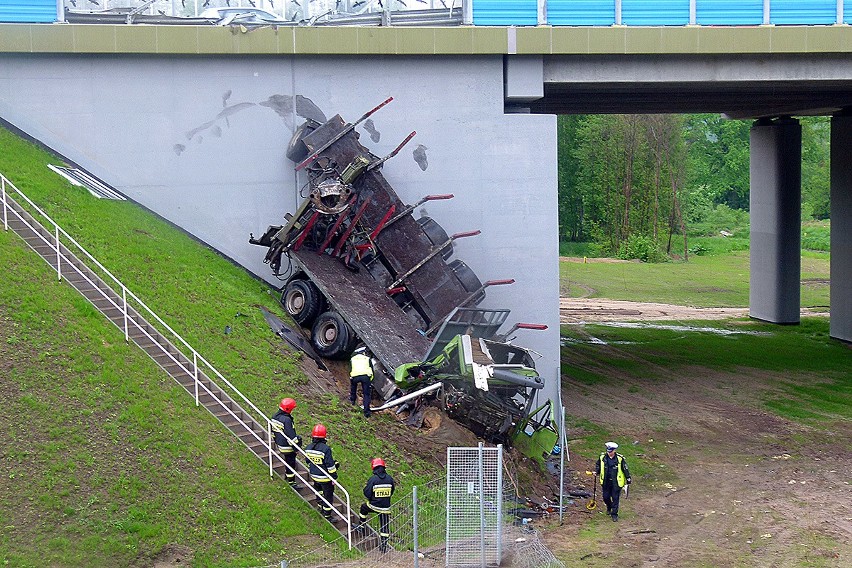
x: 841, y: 228
x: 776, y: 205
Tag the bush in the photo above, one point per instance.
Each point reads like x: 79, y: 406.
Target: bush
x: 816, y: 236
x: 721, y: 218
x: 643, y: 248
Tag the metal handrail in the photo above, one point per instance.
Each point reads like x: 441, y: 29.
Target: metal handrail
x: 193, y: 371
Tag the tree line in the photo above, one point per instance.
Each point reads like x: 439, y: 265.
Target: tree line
x: 639, y: 186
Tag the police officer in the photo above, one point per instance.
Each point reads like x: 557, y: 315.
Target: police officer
x: 378, y: 492
x: 362, y: 372
x: 285, y: 438
x: 319, y: 456
x: 612, y: 474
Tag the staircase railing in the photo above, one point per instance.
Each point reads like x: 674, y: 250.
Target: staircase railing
x: 61, y: 239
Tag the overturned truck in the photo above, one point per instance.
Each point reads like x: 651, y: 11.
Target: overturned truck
x: 358, y: 267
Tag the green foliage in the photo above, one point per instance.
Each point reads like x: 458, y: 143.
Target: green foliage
x: 816, y: 235
x: 106, y: 459
x: 642, y: 248
x: 567, y: 248
x: 718, y: 218
x: 621, y: 176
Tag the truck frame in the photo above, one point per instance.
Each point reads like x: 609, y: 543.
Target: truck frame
x: 359, y: 268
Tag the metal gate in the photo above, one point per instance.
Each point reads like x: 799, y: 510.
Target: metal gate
x: 474, y: 506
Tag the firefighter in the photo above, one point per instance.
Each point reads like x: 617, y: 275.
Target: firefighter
x: 378, y: 492
x: 612, y: 474
x: 319, y: 456
x: 362, y: 372
x: 286, y: 438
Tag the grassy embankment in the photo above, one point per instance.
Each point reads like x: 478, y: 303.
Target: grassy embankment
x: 106, y: 461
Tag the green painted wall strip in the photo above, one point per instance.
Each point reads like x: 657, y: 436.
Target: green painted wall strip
x: 542, y: 40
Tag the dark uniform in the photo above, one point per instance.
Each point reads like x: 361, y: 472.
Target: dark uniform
x: 361, y: 372
x: 378, y: 492
x: 612, y: 474
x: 319, y: 454
x: 282, y: 427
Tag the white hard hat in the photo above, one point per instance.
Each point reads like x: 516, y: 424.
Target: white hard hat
x: 611, y: 446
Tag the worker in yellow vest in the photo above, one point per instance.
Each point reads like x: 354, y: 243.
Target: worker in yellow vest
x: 612, y: 474
x: 362, y: 372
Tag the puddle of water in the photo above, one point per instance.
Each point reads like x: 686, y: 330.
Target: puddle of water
x: 632, y: 325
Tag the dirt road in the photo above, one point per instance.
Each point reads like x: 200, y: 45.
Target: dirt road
x: 723, y: 482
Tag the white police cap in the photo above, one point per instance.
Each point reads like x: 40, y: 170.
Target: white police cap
x: 611, y: 446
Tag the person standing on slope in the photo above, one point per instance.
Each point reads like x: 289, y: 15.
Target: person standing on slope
x: 322, y: 467
x: 612, y: 473
x: 286, y: 438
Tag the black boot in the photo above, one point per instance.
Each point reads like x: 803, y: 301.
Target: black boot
x: 614, y: 517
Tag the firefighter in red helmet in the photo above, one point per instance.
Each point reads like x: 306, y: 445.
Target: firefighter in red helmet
x: 378, y: 492
x: 286, y: 438
x: 322, y: 467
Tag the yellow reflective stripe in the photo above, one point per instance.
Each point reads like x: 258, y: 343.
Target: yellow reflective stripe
x: 277, y: 426
x: 319, y: 479
x: 378, y: 509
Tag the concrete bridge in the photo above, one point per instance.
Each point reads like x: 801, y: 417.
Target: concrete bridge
x: 192, y: 122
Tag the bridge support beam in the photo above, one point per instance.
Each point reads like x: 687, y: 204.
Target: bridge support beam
x: 841, y: 228
x: 776, y: 205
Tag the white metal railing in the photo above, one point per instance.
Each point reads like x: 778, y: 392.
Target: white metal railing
x: 128, y: 321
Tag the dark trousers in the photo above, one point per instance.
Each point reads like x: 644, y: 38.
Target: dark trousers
x: 384, y: 523
x: 327, y: 490
x: 366, y: 388
x: 611, y: 495
x: 289, y: 459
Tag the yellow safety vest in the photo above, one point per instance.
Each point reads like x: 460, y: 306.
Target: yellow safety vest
x: 621, y: 479
x: 361, y: 366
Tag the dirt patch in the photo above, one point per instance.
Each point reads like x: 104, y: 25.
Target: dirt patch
x: 580, y: 310
x: 173, y: 556
x: 724, y: 484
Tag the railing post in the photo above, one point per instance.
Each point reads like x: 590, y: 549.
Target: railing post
x: 839, y: 12
x: 124, y: 300
x: 481, y: 508
x: 5, y: 217
x: 269, y: 437
x: 58, y: 255
x: 499, y: 504
x: 195, y: 373
x: 414, y: 508
x: 693, y: 13
x: 767, y: 8
x: 617, y: 12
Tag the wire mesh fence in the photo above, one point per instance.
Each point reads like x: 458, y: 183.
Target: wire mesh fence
x: 418, y: 527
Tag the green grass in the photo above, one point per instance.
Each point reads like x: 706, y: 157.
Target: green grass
x: 703, y: 281
x: 108, y: 461
x: 818, y: 392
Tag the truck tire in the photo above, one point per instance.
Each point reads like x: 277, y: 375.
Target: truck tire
x: 332, y: 337
x: 296, y: 149
x: 436, y: 234
x: 302, y: 301
x: 468, y: 278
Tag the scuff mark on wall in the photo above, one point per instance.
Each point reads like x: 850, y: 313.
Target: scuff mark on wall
x: 370, y: 127
x: 420, y: 157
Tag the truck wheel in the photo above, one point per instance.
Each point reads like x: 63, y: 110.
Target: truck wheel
x: 468, y: 278
x: 296, y: 149
x: 332, y: 337
x: 302, y: 301
x: 437, y: 235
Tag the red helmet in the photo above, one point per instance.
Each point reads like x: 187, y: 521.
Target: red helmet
x: 319, y: 431
x: 287, y: 404
x: 376, y: 462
